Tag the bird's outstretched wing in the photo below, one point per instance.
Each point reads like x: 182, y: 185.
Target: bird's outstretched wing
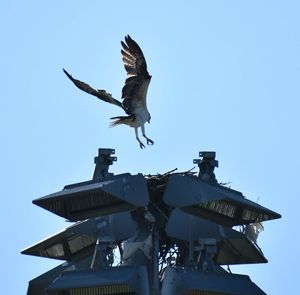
x: 138, y: 78
x: 101, y: 94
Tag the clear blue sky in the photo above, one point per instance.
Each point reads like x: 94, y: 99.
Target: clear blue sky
x: 225, y: 78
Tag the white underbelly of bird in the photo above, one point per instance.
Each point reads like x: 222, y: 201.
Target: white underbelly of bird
x: 138, y: 119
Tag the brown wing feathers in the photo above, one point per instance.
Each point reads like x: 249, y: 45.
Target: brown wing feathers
x: 133, y: 58
x: 136, y: 67
x: 101, y: 94
x: 137, y: 80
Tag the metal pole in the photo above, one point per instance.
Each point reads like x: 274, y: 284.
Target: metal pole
x: 155, y: 290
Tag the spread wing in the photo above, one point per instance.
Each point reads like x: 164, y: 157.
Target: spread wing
x: 101, y: 94
x: 136, y: 85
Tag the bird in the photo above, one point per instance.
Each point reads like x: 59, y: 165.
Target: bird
x: 134, y: 91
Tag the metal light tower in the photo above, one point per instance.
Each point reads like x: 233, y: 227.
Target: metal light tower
x: 171, y: 232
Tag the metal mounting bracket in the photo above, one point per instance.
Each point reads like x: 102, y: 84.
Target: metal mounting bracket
x: 207, y: 164
x: 103, y: 161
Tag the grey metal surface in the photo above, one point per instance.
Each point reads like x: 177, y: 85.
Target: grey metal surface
x: 103, y: 161
x: 38, y: 285
x: 178, y: 281
x: 108, y: 281
x: 78, y: 240
x: 112, y: 195
x: 207, y: 164
x: 233, y: 246
x: 215, y: 202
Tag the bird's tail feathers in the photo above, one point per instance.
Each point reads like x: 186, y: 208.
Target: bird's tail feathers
x: 127, y: 120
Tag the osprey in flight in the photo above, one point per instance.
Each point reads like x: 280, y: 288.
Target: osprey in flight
x: 134, y: 91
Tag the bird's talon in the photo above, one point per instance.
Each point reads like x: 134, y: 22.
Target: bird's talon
x: 150, y: 142
x: 142, y: 146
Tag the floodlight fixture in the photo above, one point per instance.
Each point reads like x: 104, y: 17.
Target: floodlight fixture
x: 116, y: 280
x: 38, y: 285
x: 78, y: 241
x: 213, y: 201
x: 233, y: 247
x: 181, y: 281
x: 90, y: 199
